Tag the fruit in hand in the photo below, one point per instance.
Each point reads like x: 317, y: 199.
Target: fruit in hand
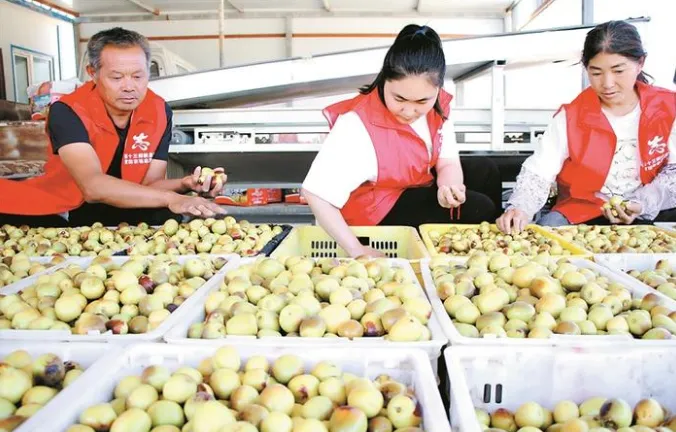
x: 209, y: 172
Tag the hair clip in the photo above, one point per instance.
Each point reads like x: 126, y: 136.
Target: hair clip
x: 420, y: 31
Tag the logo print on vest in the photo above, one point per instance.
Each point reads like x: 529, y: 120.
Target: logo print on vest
x: 656, y: 145
x: 140, y: 142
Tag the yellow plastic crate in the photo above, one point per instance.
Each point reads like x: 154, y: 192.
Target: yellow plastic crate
x: 443, y: 228
x: 312, y: 241
x: 660, y: 227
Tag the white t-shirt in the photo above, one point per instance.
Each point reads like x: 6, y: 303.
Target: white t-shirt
x: 347, y: 158
x: 624, y: 174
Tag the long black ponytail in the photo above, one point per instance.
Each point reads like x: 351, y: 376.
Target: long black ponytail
x: 417, y: 50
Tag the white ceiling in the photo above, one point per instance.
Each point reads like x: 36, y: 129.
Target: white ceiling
x: 162, y: 7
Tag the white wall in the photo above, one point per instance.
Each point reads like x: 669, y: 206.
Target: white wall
x: 203, y: 53
x: 534, y: 86
x: 27, y: 29
x: 550, y: 85
x: 658, y: 38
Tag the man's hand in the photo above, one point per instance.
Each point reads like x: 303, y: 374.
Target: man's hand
x: 195, y: 206
x: 211, y: 185
x: 512, y: 221
x: 625, y: 214
x: 451, y: 196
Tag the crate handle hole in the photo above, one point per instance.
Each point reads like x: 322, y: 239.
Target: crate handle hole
x: 487, y: 393
x: 365, y: 241
x: 498, y: 393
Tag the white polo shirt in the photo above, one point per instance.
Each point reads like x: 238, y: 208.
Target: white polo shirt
x: 348, y: 159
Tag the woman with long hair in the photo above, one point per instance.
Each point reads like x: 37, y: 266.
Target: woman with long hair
x: 391, y: 157
x: 611, y: 151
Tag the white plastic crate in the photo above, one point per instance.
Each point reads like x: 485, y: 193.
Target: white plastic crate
x: 410, y: 367
x: 179, y: 333
x: 622, y: 263
x: 637, y: 289
x: 491, y: 377
x: 41, y: 260
x: 175, y: 317
x: 671, y: 226
x: 86, y: 354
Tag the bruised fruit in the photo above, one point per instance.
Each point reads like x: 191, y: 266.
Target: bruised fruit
x: 402, y: 412
x: 277, y: 398
x: 348, y: 419
x: 503, y: 419
x: 648, y: 412
x: 98, y: 417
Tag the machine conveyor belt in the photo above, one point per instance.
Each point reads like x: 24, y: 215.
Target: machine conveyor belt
x: 342, y: 72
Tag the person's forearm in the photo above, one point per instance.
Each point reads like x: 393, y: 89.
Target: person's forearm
x: 121, y: 193
x: 531, y: 192
x: 657, y: 195
x: 330, y: 218
x: 449, y: 174
x: 174, y: 185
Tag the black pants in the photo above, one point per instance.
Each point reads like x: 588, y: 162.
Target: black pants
x: 152, y: 216
x: 51, y: 221
x: 483, y: 202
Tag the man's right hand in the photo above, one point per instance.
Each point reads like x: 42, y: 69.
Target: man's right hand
x: 512, y: 221
x: 195, y: 206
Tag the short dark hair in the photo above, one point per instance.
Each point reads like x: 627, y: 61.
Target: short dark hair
x: 615, y: 37
x: 417, y: 50
x: 118, y: 37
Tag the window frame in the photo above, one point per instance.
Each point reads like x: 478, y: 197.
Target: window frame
x: 30, y: 55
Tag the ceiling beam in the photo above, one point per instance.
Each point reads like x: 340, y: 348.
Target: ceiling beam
x: 144, y: 6
x: 237, y: 8
x: 327, y: 5
x: 57, y: 7
x: 213, y: 14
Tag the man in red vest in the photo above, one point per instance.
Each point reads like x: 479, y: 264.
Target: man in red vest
x: 616, y: 139
x: 109, y: 144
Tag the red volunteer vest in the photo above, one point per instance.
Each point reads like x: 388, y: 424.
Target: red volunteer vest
x: 403, y: 159
x: 591, y: 145
x: 56, y: 190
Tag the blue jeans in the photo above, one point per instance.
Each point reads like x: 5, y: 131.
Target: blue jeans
x: 553, y: 219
